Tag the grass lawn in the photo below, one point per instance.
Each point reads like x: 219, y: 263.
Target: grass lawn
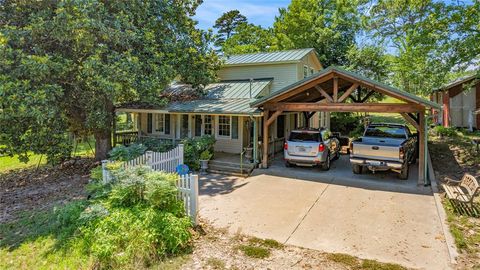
x: 12, y: 163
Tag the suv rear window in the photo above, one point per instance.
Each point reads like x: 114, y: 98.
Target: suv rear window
x: 304, y: 137
x: 385, y: 132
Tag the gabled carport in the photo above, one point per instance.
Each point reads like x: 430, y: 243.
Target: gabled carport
x: 337, y: 90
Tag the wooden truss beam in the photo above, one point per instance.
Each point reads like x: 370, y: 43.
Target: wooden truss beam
x: 410, y: 120
x: 344, y: 107
x: 324, y: 94
x: 348, y: 92
x: 273, y: 117
x: 335, y: 89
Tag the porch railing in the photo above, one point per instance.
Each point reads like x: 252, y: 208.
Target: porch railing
x: 126, y: 137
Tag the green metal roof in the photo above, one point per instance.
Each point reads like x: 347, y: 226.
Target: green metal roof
x: 324, y: 72
x: 267, y: 57
x: 237, y: 89
x: 214, y: 106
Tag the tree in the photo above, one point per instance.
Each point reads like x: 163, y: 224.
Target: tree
x: 227, y: 24
x: 329, y: 26
x: 65, y: 65
x: 249, y: 38
x: 430, y: 39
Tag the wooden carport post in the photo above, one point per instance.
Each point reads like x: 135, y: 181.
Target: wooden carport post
x: 422, y: 149
x: 267, y: 121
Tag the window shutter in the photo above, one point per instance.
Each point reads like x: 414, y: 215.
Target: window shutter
x: 167, y: 124
x: 234, y: 127
x: 149, y: 123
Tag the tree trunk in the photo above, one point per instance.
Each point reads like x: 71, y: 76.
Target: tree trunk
x: 103, y: 144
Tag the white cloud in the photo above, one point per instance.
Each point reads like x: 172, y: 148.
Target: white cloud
x: 257, y: 12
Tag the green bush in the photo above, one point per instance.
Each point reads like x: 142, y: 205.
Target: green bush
x: 157, y: 145
x: 445, y: 131
x: 136, y: 221
x: 193, y: 147
x: 345, y: 122
x: 126, y: 153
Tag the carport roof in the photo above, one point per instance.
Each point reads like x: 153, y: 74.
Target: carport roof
x: 371, y: 83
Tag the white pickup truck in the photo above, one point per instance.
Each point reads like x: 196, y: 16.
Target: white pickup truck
x: 384, y: 147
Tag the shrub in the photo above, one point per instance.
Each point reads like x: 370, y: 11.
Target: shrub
x: 445, y: 131
x: 345, y: 122
x: 157, y: 145
x: 138, y: 222
x: 193, y: 147
x: 125, y: 153
x: 206, y: 155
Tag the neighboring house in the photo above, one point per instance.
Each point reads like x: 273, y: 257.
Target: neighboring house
x: 224, y: 111
x: 460, y: 100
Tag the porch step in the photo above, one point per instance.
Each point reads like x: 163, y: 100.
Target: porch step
x: 230, y: 168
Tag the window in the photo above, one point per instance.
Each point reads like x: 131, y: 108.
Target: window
x: 312, y: 71
x: 198, y: 125
x: 305, y: 71
x: 159, y: 122
x: 224, y: 126
x: 162, y: 123
x: 208, y: 125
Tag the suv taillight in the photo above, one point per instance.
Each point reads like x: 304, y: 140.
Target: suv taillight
x: 321, y: 147
x: 285, y: 146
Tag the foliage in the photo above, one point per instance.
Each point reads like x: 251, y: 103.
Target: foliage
x: 344, y: 122
x: 249, y: 38
x: 156, y: 145
x: 64, y: 65
x: 206, y: 155
x: 430, y: 39
x: 328, y: 26
x: 193, y: 147
x: 445, y: 131
x: 126, y: 153
x: 227, y: 25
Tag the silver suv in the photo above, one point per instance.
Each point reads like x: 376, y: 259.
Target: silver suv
x: 311, y: 147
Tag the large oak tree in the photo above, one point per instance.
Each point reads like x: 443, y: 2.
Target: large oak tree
x: 66, y: 64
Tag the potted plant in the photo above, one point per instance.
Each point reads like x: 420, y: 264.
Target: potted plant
x: 205, y: 156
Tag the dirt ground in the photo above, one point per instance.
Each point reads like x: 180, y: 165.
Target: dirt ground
x: 219, y: 249
x: 451, y: 159
x: 36, y: 190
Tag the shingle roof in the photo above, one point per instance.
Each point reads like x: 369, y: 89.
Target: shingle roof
x: 213, y: 106
x: 267, y: 57
x: 406, y: 95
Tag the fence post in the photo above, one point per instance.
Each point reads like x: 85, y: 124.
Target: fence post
x: 105, y: 176
x: 149, y: 158
x: 180, y: 150
x: 194, y: 198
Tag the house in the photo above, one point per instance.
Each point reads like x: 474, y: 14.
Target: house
x: 224, y: 110
x: 460, y: 100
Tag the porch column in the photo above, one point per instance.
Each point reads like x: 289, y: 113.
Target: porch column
x: 422, y: 148
x: 255, y: 140
x: 265, y: 139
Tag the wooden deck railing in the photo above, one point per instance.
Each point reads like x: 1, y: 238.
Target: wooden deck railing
x: 126, y: 137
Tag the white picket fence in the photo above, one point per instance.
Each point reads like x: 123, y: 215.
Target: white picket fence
x: 166, y: 161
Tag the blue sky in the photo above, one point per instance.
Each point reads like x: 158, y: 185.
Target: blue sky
x: 260, y: 12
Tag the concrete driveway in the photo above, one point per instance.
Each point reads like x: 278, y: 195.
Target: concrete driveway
x: 369, y: 216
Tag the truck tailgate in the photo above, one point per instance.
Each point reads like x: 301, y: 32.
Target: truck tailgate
x: 373, y: 148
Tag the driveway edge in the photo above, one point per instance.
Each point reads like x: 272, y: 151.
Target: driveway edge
x: 450, y: 242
